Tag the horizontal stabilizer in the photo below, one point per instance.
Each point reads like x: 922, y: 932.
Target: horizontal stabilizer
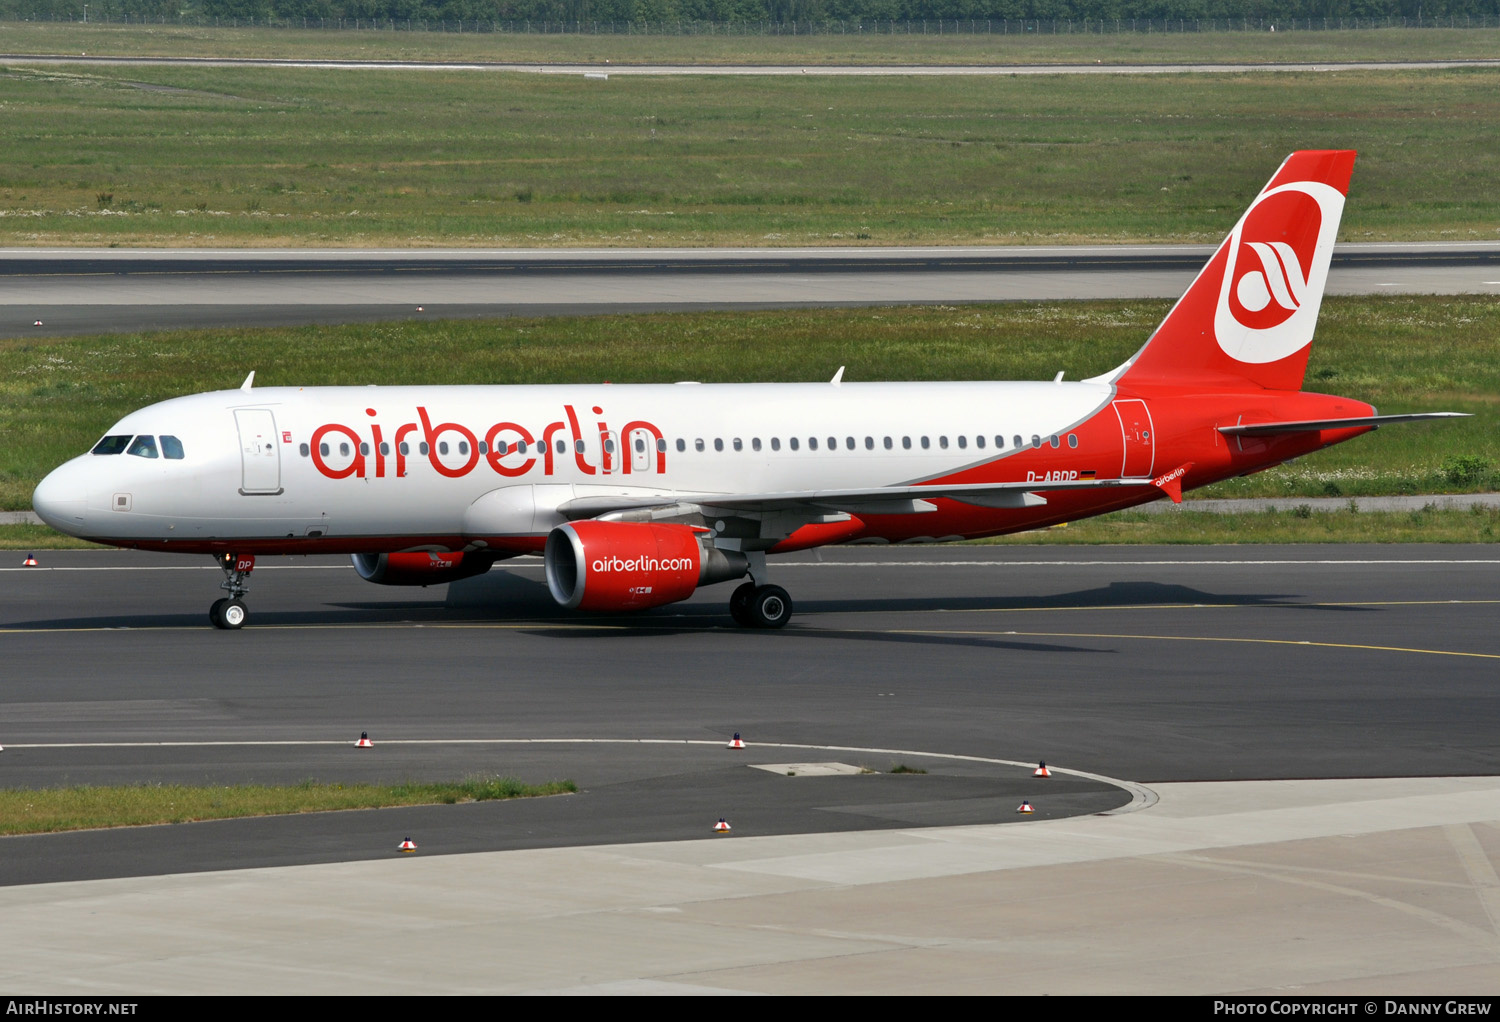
x: 1313, y: 425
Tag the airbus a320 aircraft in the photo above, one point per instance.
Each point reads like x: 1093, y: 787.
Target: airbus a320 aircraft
x: 637, y: 495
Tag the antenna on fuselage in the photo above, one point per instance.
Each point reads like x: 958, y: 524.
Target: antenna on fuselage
x: 1055, y: 379
x: 249, y: 380
x: 838, y: 377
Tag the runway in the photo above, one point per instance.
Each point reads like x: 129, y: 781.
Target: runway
x: 1139, y: 664
x: 114, y: 290
x: 1225, y: 681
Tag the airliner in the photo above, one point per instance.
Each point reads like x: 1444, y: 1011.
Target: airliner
x: 635, y: 496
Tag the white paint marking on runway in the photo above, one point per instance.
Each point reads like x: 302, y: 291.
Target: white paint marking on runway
x: 1141, y: 797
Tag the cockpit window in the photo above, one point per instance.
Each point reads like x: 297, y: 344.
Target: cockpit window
x: 143, y: 447
x: 112, y: 445
x: 171, y: 448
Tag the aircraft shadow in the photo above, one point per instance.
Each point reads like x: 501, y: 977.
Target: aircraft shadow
x: 517, y: 600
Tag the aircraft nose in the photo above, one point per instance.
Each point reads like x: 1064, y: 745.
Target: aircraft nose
x: 60, y: 499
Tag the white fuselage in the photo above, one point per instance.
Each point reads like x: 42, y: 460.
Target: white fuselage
x: 420, y: 462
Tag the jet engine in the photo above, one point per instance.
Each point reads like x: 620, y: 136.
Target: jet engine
x: 599, y: 565
x: 420, y: 568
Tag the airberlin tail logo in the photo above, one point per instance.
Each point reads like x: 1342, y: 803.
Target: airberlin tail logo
x: 1274, y: 276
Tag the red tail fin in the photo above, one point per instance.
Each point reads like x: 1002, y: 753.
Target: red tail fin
x: 1251, y: 312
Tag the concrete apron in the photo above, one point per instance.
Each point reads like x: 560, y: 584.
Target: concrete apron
x: 1339, y: 886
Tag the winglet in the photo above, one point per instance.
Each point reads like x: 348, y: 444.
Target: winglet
x: 1171, y: 483
x: 838, y: 377
x: 249, y: 381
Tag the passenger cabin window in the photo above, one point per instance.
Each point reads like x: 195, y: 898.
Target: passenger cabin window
x: 661, y: 445
x: 889, y: 445
x: 755, y: 443
x: 999, y: 442
x: 869, y: 443
x: 442, y: 447
x: 812, y: 443
x: 776, y: 443
x: 681, y: 444
x: 1019, y: 442
x: 405, y: 448
x: 171, y: 448
x: 323, y: 450
x: 304, y: 449
x: 1054, y: 441
x: 143, y: 447
x: 698, y: 444
x: 963, y: 442
x: 739, y: 444
x: 364, y: 449
x: 718, y: 444
x: 1036, y: 441
x: 422, y: 448
x: 926, y: 442
x: 979, y: 441
x: 943, y: 442
x: 112, y: 445
x: 849, y: 442
x: 833, y: 443
x: 344, y: 450
x: 1072, y: 439
x: 793, y: 442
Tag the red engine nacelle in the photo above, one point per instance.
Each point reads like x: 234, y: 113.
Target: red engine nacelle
x: 632, y: 565
x: 419, y: 568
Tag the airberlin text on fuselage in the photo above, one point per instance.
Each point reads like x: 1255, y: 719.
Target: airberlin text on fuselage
x: 507, y: 447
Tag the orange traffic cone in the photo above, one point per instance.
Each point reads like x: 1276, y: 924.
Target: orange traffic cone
x: 408, y: 845
x: 1024, y: 807
x: 722, y: 827
x: 364, y: 741
x: 735, y: 743
x: 30, y: 561
x: 1041, y: 771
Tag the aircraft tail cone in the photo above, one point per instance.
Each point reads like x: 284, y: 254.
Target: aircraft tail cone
x: 722, y: 827
x: 1024, y: 808
x: 30, y: 561
x: 1041, y: 771
x: 364, y: 741
x: 408, y: 845
x: 736, y: 742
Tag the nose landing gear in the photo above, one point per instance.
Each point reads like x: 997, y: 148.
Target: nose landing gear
x: 230, y: 612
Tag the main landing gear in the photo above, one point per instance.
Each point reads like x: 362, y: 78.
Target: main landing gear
x: 755, y: 606
x: 230, y: 612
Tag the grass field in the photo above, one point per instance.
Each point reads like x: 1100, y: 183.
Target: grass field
x: 46, y: 810
x: 836, y: 48
x: 260, y: 157
x: 1402, y: 354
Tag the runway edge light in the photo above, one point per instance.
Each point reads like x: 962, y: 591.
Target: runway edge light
x: 1024, y: 808
x: 1041, y: 770
x: 30, y: 561
x: 736, y: 742
x: 408, y: 845
x: 722, y: 827
x: 364, y: 741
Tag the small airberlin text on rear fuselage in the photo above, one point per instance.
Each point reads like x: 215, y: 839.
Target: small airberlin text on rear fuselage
x: 508, y: 447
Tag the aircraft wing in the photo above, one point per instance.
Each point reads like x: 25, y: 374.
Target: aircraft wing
x: 1312, y: 425
x: 874, y: 500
